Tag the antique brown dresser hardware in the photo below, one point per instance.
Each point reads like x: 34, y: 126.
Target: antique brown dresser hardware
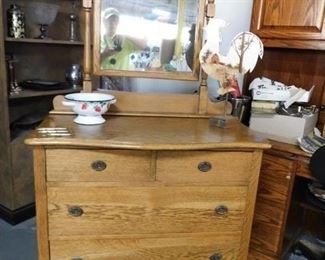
x: 216, y: 257
x: 204, y: 166
x: 99, y: 166
x: 75, y: 211
x: 221, y: 210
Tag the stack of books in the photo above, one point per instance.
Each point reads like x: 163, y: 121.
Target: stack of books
x: 264, y: 107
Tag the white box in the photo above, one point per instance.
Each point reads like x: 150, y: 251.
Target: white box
x: 268, y: 90
x: 282, y: 128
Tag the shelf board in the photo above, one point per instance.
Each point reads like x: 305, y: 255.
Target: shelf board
x: 27, y: 93
x: 44, y: 41
x: 308, y: 206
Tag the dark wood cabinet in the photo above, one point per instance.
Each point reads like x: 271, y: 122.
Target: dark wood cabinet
x: 273, y: 199
x: 278, y: 218
x: 36, y: 59
x: 290, y: 23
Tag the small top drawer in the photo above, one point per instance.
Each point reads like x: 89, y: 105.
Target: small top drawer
x: 98, y: 165
x: 215, y: 168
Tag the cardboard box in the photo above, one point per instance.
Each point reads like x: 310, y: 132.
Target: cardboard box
x: 282, y: 128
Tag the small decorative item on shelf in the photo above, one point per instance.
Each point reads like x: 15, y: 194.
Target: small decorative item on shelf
x: 73, y: 27
x: 43, y: 14
x: 14, y: 88
x: 15, y: 22
x: 74, y: 75
x: 244, y: 51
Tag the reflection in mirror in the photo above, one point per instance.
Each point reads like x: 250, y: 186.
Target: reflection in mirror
x: 147, y: 36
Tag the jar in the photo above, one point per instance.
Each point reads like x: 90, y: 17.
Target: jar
x: 15, y: 22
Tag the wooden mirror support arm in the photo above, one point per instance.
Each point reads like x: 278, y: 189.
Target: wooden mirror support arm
x: 203, y: 92
x: 87, y: 86
x: 210, y: 9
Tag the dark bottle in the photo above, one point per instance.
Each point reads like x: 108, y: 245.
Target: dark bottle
x: 15, y: 22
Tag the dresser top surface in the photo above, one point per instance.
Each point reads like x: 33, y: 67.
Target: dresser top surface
x: 150, y: 133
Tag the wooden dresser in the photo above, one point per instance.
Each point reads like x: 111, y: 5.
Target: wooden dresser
x: 145, y: 188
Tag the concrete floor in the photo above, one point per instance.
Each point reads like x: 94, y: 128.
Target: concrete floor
x: 18, y: 242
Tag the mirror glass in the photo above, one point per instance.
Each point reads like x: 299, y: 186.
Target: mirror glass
x: 148, y: 38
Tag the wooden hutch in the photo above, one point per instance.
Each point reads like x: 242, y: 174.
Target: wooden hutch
x: 293, y: 33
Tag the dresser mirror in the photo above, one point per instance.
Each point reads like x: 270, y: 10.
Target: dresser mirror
x: 148, y: 38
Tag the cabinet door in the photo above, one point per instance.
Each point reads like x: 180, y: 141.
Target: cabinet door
x: 273, y: 197
x: 289, y: 19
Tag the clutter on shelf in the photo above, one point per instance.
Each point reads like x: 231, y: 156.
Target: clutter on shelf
x: 311, y: 142
x: 278, y: 113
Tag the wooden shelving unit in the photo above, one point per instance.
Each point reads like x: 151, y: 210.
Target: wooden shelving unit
x: 43, y: 59
x: 27, y: 93
x: 43, y: 41
x: 308, y: 206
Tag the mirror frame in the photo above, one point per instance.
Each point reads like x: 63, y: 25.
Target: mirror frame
x: 172, y: 75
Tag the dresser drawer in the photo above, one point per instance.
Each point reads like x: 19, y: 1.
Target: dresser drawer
x: 97, y: 165
x: 77, y: 211
x: 214, y: 168
x: 189, y: 247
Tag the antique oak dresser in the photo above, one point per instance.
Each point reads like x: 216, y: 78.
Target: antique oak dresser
x: 145, y: 188
x: 155, y: 181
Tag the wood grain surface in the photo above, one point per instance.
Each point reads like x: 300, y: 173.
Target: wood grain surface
x: 41, y: 204
x: 187, y: 247
x: 151, y: 133
x: 144, y: 210
x: 289, y: 19
x: 182, y: 167
x: 256, y: 255
x: 153, y: 103
x: 274, y: 193
x: 130, y: 166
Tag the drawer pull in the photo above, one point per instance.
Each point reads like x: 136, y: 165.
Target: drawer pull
x: 98, y: 166
x: 76, y: 258
x: 216, y: 256
x: 221, y: 210
x: 204, y: 166
x: 75, y: 211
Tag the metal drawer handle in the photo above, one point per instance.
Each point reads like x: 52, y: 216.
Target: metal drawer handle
x: 76, y: 258
x: 216, y: 256
x: 98, y: 166
x: 75, y: 211
x: 221, y: 210
x: 204, y: 166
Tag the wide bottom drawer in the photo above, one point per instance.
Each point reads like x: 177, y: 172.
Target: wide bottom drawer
x: 172, y: 248
x: 100, y: 211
